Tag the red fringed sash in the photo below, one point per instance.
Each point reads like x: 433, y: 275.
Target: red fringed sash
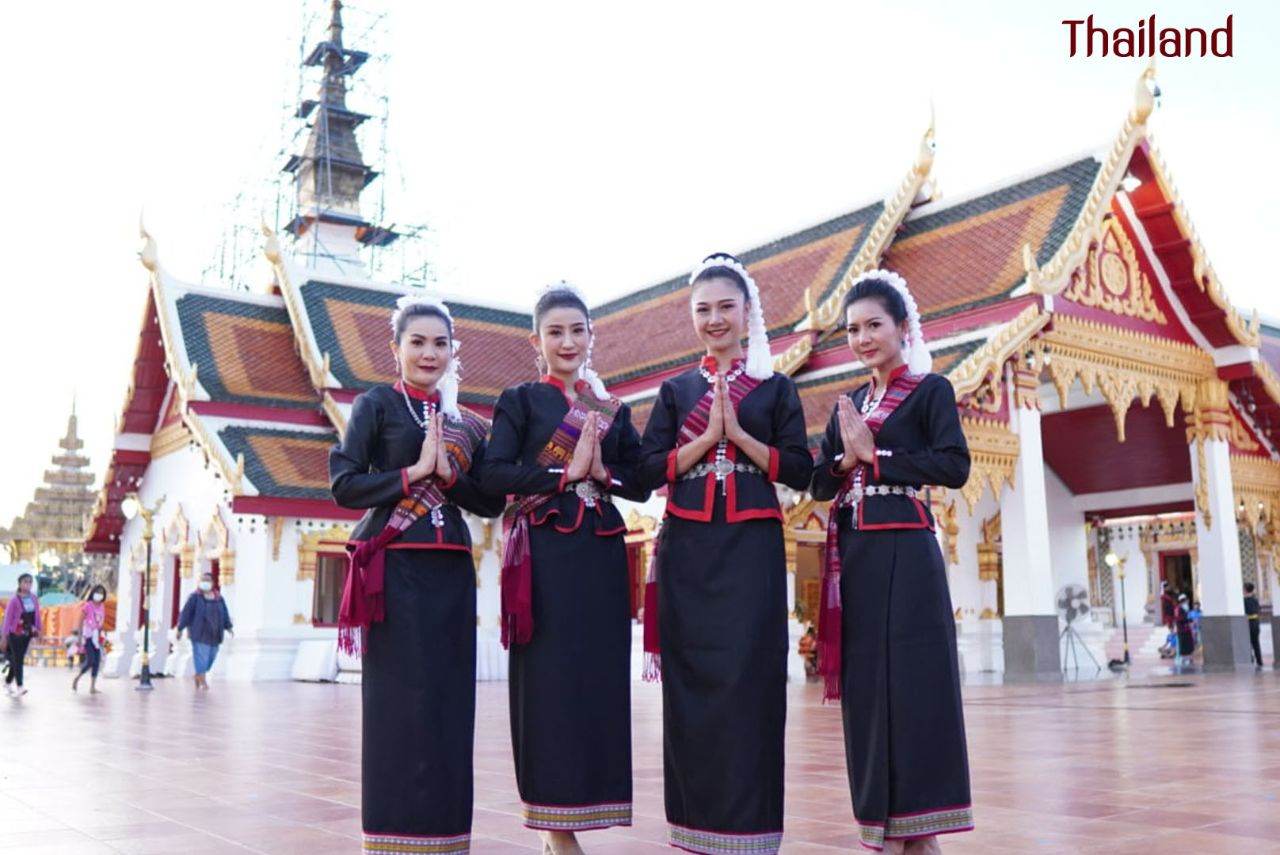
x: 517, y: 561
x: 830, y: 611
x: 695, y: 424
x: 364, y: 596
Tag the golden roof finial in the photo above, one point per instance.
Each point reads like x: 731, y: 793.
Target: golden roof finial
x: 928, y: 145
x: 271, y: 247
x: 1145, y: 93
x: 148, y: 254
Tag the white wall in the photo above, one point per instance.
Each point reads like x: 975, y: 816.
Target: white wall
x: 1068, y: 542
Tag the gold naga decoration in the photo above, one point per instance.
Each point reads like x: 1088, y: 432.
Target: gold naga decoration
x: 825, y: 316
x: 993, y: 454
x: 986, y: 363
x: 1111, y: 278
x: 989, y: 550
x: 947, y: 523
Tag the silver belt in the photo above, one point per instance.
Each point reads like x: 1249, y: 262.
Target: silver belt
x: 588, y: 491
x: 719, y: 468
x: 858, y: 493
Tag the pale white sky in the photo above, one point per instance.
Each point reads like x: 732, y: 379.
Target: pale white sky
x: 609, y: 144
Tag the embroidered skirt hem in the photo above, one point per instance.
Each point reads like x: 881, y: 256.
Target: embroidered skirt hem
x: 576, y: 817
x: 917, y: 824
x: 382, y: 843
x: 717, y: 842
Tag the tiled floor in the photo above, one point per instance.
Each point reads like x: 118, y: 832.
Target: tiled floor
x: 1163, y: 764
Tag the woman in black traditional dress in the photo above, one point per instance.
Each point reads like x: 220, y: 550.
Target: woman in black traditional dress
x: 719, y: 436
x: 561, y: 447
x: 409, y: 606
x: 886, y: 635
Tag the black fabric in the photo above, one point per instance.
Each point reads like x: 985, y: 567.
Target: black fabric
x: 570, y: 686
x: 903, y: 722
x: 926, y: 445
x: 92, y: 659
x: 524, y: 419
x: 365, y: 471
x: 418, y: 696
x: 722, y: 612
x: 17, y: 657
x: 722, y: 616
x: 771, y: 413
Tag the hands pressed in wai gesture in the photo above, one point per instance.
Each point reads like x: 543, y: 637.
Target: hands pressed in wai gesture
x: 434, y: 457
x: 587, y: 458
x: 859, y: 444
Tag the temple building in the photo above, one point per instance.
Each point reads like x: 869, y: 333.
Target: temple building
x: 50, y: 534
x: 1120, y: 411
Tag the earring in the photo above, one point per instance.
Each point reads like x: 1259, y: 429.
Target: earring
x: 539, y: 363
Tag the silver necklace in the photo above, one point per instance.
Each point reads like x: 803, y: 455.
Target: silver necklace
x: 728, y: 378
x: 428, y: 410
x: 872, y: 400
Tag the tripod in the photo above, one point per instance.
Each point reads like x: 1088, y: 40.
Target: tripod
x: 1069, y: 640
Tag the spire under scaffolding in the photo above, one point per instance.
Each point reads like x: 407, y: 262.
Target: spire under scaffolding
x: 330, y: 173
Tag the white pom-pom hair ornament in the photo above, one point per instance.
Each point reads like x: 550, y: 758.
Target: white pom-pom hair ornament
x: 919, y: 360
x: 759, y: 359
x: 449, y: 383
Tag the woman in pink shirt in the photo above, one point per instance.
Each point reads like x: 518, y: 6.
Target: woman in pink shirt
x: 92, y: 617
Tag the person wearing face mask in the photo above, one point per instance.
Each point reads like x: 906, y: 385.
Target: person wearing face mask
x: 408, y: 459
x: 92, y: 619
x: 204, y: 618
x: 562, y: 447
x: 720, y: 436
x: 886, y: 633
x: 21, y: 626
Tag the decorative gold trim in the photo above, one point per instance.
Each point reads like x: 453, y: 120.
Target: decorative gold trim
x: 790, y: 360
x: 169, y: 439
x: 823, y: 318
x: 1247, y: 334
x: 275, y: 530
x: 309, y: 547
x: 1111, y: 278
x: 947, y: 524
x: 216, y: 545
x: 1202, y: 484
x: 1240, y: 437
x: 640, y: 527
x: 1053, y: 276
x: 1255, y: 483
x: 1123, y: 365
x: 334, y: 411
x: 1267, y: 376
x: 988, y: 360
x: 993, y: 454
x: 990, y: 550
x: 316, y: 362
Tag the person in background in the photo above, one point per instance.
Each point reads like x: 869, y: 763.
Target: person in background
x: 205, y: 618
x: 1253, y: 613
x: 1186, y: 641
x: 21, y: 625
x: 1194, y: 614
x: 93, y: 616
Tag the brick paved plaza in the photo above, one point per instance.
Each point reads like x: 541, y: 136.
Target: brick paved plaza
x: 1164, y: 764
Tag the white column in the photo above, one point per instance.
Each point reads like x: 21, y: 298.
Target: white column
x: 1218, y: 576
x: 1030, y: 617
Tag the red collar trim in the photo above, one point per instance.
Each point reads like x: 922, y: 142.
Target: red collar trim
x: 898, y: 372
x: 559, y: 384
x: 709, y: 362
x: 416, y: 393
x: 552, y: 381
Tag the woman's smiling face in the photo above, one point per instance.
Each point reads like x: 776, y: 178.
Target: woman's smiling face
x: 423, y: 351
x: 719, y: 313
x: 874, y: 338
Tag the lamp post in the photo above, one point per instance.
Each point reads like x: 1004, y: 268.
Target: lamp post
x: 132, y: 507
x: 1116, y: 562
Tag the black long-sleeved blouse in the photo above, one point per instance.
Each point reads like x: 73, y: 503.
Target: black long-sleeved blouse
x: 920, y: 443
x: 771, y: 413
x: 525, y: 418
x: 368, y: 470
